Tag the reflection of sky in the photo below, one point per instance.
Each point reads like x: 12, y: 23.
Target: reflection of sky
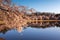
x: 52, y: 33
x: 41, y: 5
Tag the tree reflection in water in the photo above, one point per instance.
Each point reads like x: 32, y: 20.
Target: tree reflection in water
x: 2, y: 39
x: 35, y: 25
x: 45, y: 24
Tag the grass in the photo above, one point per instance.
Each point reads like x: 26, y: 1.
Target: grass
x: 1, y: 22
x: 43, y: 20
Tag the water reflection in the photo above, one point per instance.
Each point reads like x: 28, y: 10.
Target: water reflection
x: 2, y: 39
x: 44, y: 24
x: 35, y: 25
x: 31, y: 31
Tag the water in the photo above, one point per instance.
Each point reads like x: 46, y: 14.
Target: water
x: 50, y: 32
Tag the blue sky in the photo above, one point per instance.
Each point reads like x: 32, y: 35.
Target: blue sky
x: 41, y: 5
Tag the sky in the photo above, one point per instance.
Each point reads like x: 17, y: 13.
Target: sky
x: 40, y: 5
